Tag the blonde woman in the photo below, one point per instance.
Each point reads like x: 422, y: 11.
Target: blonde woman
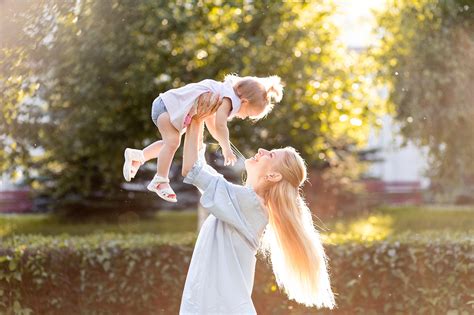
x: 267, y: 214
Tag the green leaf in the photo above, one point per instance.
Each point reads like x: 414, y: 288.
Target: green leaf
x: 12, y: 265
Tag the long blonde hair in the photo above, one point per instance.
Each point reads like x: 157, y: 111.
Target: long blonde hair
x: 261, y: 92
x: 290, y: 239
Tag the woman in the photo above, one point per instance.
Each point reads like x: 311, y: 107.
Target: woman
x: 267, y: 214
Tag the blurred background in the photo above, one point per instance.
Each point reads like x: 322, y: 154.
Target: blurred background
x: 378, y: 100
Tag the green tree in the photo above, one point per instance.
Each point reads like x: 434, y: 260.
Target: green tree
x: 79, y: 77
x: 426, y: 58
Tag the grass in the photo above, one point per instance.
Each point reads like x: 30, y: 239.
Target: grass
x: 387, y: 223
x: 164, y: 222
x: 423, y: 224
x: 423, y: 219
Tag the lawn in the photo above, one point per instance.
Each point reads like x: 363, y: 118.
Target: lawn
x: 408, y: 223
x: 163, y: 222
x: 386, y: 223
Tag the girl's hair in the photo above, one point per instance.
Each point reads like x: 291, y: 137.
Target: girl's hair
x: 260, y: 92
x: 290, y: 239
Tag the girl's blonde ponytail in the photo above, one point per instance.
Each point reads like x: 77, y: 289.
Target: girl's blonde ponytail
x: 273, y: 87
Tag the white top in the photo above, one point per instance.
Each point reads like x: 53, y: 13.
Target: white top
x: 222, y: 269
x: 179, y: 102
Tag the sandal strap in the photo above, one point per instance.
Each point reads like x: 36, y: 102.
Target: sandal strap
x: 167, y: 191
x: 160, y: 179
x: 136, y: 155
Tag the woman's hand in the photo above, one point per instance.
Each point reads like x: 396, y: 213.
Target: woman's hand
x: 207, y: 105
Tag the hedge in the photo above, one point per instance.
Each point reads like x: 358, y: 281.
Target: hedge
x: 145, y: 274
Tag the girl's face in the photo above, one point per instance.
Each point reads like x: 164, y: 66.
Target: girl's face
x: 246, y: 110
x: 261, y: 166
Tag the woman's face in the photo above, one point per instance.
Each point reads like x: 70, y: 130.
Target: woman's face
x: 262, y: 164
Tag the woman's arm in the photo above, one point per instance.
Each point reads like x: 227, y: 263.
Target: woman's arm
x: 219, y: 197
x: 207, y: 105
x: 192, y: 145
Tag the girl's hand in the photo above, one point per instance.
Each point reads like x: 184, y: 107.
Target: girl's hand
x: 207, y: 104
x: 229, y: 157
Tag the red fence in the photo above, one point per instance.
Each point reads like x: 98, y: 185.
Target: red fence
x: 395, y: 192
x: 16, y: 201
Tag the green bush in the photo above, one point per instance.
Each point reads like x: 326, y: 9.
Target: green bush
x: 145, y: 274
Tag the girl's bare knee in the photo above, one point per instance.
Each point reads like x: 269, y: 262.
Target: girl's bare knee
x: 171, y: 136
x: 172, y: 143
x: 163, y: 121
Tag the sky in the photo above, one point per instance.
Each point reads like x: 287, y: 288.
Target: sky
x: 356, y: 21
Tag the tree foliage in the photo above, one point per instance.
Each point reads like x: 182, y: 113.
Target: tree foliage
x: 426, y: 56
x: 77, y: 80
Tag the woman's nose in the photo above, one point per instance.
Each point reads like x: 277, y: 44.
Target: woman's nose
x: 262, y: 151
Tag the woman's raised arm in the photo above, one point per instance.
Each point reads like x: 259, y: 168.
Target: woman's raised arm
x: 192, y: 142
x: 207, y: 105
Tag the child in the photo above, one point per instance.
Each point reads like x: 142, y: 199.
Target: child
x: 243, y: 97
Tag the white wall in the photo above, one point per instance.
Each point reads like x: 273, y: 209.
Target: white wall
x: 400, y: 163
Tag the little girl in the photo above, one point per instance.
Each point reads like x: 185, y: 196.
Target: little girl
x: 243, y: 97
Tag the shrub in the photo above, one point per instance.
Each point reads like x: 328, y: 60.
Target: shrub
x: 145, y: 274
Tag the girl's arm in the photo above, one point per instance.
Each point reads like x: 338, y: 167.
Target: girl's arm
x: 211, y: 125
x: 220, y: 124
x: 221, y: 131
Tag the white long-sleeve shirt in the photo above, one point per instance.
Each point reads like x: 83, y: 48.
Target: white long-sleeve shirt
x: 222, y: 269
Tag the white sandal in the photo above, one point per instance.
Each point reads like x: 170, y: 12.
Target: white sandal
x: 129, y: 171
x: 166, y: 193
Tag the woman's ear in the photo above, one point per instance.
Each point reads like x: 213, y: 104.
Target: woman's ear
x: 273, y: 177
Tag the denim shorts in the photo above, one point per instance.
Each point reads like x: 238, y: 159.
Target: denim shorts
x: 157, y: 108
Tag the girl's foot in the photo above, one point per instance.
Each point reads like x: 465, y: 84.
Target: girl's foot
x: 160, y: 185
x: 136, y: 165
x: 133, y: 160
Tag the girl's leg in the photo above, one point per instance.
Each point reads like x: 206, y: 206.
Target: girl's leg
x: 170, y: 143
x: 150, y: 152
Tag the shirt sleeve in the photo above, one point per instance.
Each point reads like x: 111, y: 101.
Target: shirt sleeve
x: 201, y: 173
x: 219, y: 198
